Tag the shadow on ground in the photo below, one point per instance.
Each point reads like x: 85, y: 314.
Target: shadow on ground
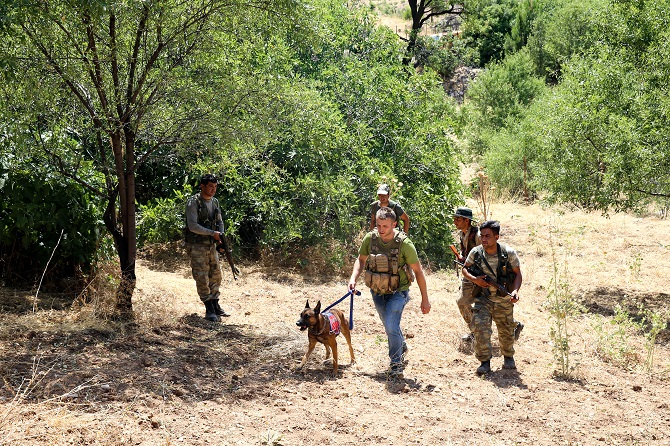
x: 193, y: 360
x: 604, y: 300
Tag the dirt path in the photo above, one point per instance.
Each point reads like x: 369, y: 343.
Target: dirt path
x: 176, y: 379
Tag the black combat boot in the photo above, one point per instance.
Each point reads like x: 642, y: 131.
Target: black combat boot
x: 484, y: 368
x: 217, y: 308
x: 509, y: 363
x: 210, y: 311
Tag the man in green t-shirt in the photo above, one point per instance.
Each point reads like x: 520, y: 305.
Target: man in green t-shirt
x: 390, y: 262
x: 383, y: 194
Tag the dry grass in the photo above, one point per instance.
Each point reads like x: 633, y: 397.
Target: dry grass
x: 70, y: 377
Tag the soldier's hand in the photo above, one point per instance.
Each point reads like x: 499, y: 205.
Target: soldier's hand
x: 481, y: 281
x: 515, y: 297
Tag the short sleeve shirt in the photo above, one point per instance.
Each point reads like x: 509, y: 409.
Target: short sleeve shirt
x: 492, y: 259
x: 407, y: 255
x: 374, y: 207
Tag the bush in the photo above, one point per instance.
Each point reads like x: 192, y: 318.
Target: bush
x: 162, y: 220
x: 39, y: 214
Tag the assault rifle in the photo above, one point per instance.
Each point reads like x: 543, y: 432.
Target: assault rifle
x: 224, y: 249
x: 475, y: 271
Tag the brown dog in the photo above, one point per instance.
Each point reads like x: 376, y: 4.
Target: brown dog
x: 320, y: 329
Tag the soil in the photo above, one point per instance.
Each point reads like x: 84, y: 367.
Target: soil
x: 173, y: 378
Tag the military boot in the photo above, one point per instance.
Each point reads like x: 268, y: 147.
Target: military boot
x: 217, y: 308
x: 210, y: 311
x: 484, y: 368
x: 509, y: 363
x: 517, y: 330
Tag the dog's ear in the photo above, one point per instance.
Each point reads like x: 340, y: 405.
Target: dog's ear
x: 317, y: 309
x: 307, y: 304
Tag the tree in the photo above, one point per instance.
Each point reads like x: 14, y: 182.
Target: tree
x: 422, y: 11
x: 114, y: 74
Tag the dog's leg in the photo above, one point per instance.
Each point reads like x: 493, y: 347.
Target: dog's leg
x: 327, y: 350
x: 347, y: 335
x: 310, y: 348
x: 333, y: 346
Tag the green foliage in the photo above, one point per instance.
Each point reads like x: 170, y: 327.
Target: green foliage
x: 443, y: 54
x: 34, y: 209
x: 655, y: 322
x: 162, y: 220
x: 298, y: 119
x: 502, y: 92
x: 559, y: 31
x: 522, y: 24
x: 486, y: 27
x: 612, y: 338
x: 495, y: 101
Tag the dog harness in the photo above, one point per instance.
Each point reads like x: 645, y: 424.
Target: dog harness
x: 333, y: 322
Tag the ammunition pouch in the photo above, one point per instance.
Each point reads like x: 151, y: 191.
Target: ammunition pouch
x: 409, y: 272
x: 381, y: 268
x: 382, y: 283
x: 379, y: 263
x: 508, y: 281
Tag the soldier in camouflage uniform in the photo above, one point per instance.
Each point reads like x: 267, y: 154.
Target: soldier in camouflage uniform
x: 501, y: 263
x: 469, y: 238
x: 204, y: 225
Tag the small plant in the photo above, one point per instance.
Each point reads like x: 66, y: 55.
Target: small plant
x: 634, y: 266
x: 482, y: 191
x: 561, y: 307
x: 272, y: 438
x: 612, y: 343
x: 656, y: 321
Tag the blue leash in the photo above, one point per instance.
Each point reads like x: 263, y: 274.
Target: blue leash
x: 351, y: 306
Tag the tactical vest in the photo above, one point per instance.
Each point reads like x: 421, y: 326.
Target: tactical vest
x: 504, y: 274
x: 381, y: 266
x: 470, y: 242
x: 203, y: 220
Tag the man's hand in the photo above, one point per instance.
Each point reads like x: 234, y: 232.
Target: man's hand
x: 514, y: 299
x: 481, y: 282
x: 425, y: 306
x: 352, y: 286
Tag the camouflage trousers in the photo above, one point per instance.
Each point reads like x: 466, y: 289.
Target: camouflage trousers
x: 502, y: 313
x: 205, y: 269
x: 465, y: 302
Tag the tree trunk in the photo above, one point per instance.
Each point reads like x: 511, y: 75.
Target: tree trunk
x: 124, y: 233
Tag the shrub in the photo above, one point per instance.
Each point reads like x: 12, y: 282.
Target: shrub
x: 34, y: 211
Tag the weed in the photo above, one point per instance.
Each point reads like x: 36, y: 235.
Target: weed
x: 656, y: 322
x: 612, y: 342
x: 634, y: 266
x: 272, y: 438
x: 482, y: 190
x: 561, y: 307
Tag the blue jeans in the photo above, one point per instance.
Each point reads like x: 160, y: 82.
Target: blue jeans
x: 390, y: 308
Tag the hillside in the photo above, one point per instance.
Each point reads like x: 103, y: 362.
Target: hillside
x: 175, y: 379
